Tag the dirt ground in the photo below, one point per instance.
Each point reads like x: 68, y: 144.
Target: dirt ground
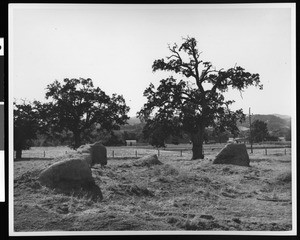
x: 179, y: 195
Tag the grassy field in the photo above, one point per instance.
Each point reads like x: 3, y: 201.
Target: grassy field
x: 140, y: 151
x: 180, y: 195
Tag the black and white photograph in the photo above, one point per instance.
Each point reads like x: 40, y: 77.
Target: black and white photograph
x: 147, y: 119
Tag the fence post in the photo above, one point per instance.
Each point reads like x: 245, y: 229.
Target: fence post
x: 113, y: 153
x: 135, y: 153
x: 266, y: 151
x: 285, y: 151
x: 157, y: 152
x: 180, y: 153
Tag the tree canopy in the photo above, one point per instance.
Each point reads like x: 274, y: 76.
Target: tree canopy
x: 26, y: 126
x: 76, y: 105
x: 196, y: 100
x: 259, y: 131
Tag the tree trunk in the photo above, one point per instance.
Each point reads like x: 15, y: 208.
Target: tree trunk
x: 77, y: 140
x: 18, y: 153
x: 197, y: 140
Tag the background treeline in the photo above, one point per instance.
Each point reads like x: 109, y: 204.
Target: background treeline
x: 277, y: 125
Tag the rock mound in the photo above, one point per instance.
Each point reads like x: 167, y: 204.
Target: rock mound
x: 93, y: 153
x: 235, y: 154
x: 98, y: 154
x: 147, y: 161
x: 70, y: 175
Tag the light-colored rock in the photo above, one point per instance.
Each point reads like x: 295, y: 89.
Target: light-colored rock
x: 68, y: 173
x: 84, y: 148
x: 235, y: 154
x: 71, y: 176
x: 147, y: 161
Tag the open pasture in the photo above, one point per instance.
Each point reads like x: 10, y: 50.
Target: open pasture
x: 181, y: 150
x: 180, y: 195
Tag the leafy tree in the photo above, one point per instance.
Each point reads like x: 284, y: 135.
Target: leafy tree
x: 156, y: 133
x: 191, y: 106
x: 26, y: 126
x: 288, y: 135
x: 49, y: 135
x: 220, y: 137
x: 79, y: 107
x: 259, y: 131
x: 129, y: 135
x: 53, y: 139
x: 114, y: 139
x: 175, y: 140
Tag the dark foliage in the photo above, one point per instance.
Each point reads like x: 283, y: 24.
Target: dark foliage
x: 259, y: 131
x: 77, y: 106
x: 177, y: 106
x: 26, y: 126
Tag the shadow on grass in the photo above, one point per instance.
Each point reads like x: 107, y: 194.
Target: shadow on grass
x: 122, y: 158
x: 47, y: 159
x: 261, y: 160
x: 32, y: 159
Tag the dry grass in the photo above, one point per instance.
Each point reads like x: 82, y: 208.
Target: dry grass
x: 179, y: 195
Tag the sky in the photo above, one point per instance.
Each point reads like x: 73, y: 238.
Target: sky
x: 116, y: 45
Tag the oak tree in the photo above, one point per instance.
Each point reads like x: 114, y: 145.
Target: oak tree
x: 26, y: 126
x: 77, y: 106
x: 259, y: 131
x: 196, y: 101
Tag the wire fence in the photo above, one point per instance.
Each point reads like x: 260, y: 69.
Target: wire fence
x: 137, y: 152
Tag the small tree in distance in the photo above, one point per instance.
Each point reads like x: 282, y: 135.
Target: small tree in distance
x: 156, y: 135
x: 76, y: 105
x: 191, y: 106
x: 259, y: 131
x: 26, y: 126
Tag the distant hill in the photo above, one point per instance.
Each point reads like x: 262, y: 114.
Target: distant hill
x: 133, y: 124
x: 274, y: 122
x: 278, y: 126
x: 133, y: 121
x: 287, y: 117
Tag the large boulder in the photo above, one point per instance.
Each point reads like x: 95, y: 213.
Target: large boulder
x: 93, y: 153
x: 147, y: 161
x: 98, y: 154
x: 72, y: 171
x: 71, y: 176
x: 235, y: 154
